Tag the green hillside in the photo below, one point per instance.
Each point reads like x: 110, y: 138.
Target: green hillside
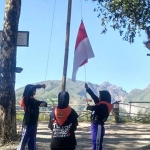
x: 77, y: 93
x: 76, y: 90
x: 138, y: 95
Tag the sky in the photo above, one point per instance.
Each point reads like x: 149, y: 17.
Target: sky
x: 116, y: 61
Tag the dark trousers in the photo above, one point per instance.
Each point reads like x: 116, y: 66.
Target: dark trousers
x: 98, y: 132
x: 28, y: 135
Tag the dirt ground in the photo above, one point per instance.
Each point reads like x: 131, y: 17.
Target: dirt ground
x: 117, y: 137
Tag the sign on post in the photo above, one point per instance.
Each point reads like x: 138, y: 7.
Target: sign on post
x: 22, y: 40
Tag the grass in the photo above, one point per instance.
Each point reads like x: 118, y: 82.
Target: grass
x: 140, y: 118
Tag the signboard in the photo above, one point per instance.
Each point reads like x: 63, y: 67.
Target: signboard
x: 22, y: 40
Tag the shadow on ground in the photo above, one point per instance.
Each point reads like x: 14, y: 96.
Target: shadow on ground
x: 117, y: 137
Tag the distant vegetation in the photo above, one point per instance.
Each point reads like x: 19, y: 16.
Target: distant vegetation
x: 77, y: 93
x: 76, y: 90
x: 137, y: 95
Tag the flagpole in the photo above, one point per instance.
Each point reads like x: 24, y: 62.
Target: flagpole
x: 66, y: 46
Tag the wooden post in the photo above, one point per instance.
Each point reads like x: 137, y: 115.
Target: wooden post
x: 66, y: 46
x: 116, y: 111
x: 130, y: 111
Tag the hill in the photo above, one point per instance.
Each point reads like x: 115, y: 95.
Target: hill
x: 76, y: 90
x: 77, y: 94
x: 137, y: 95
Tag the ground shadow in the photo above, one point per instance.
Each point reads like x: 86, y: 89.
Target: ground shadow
x: 118, y: 136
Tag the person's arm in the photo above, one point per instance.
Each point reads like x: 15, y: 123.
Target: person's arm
x: 91, y: 108
x: 41, y: 103
x: 50, y: 124
x: 100, y: 110
x: 33, y: 101
x: 90, y: 92
x: 75, y: 123
x: 37, y: 86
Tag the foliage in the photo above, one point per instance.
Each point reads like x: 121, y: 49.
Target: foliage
x: 85, y: 117
x: 127, y: 16
x: 43, y: 117
x: 124, y: 119
x: 19, y: 116
x: 142, y: 118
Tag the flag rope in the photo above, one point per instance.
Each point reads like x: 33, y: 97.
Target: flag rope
x: 81, y: 9
x: 85, y: 73
x: 50, y: 40
x: 51, y: 31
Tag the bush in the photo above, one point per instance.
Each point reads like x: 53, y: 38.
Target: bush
x: 43, y: 117
x: 19, y: 116
x: 142, y: 118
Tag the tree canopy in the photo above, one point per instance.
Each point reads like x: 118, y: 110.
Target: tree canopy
x: 129, y: 17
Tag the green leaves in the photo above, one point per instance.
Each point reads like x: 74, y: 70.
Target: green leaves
x: 126, y: 16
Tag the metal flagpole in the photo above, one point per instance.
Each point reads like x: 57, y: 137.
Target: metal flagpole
x: 66, y: 46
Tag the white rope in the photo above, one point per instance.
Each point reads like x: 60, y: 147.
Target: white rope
x: 82, y: 20
x: 85, y: 73
x: 81, y: 9
x: 50, y: 40
x: 50, y: 43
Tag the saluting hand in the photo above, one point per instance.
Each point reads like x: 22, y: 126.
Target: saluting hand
x: 86, y: 86
x: 43, y: 104
x: 43, y: 86
x: 87, y: 107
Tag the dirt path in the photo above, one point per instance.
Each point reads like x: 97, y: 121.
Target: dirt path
x: 117, y: 137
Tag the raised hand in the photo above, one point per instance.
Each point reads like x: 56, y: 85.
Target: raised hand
x: 87, y: 107
x: 86, y: 86
x: 43, y: 86
x: 43, y: 104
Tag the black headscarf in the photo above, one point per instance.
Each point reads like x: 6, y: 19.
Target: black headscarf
x: 63, y: 100
x: 105, y: 96
x: 28, y: 93
x: 27, y: 87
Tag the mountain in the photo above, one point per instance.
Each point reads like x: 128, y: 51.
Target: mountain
x: 140, y: 101
x: 138, y: 95
x: 76, y: 90
x: 77, y: 94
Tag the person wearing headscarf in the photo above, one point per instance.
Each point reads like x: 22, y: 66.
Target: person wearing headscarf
x: 30, y: 120
x: 27, y: 87
x: 63, y: 123
x: 100, y: 113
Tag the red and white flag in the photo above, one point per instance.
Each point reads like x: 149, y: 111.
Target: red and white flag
x: 83, y: 50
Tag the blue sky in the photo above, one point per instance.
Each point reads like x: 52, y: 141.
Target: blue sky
x: 116, y: 61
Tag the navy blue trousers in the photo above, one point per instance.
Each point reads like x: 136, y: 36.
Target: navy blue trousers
x: 28, y: 136
x: 97, y: 132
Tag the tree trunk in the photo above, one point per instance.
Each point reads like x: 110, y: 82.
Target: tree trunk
x: 7, y: 70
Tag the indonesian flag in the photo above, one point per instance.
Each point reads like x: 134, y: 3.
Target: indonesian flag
x: 83, y: 50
